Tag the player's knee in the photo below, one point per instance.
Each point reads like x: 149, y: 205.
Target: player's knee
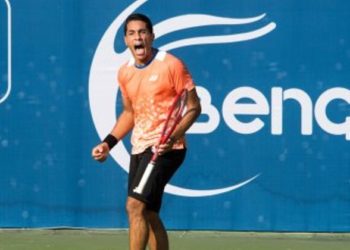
x: 135, y: 207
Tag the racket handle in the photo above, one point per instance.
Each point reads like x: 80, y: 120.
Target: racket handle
x: 144, y: 179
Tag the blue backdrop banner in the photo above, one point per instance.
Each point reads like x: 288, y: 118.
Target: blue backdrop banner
x: 270, y: 151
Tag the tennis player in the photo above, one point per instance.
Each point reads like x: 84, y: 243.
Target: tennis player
x: 149, y: 82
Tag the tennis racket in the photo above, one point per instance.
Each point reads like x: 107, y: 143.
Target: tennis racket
x: 175, y: 113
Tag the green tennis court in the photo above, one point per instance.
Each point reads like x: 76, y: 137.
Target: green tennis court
x: 179, y: 240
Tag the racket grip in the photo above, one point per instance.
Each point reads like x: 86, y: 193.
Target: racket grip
x: 139, y: 189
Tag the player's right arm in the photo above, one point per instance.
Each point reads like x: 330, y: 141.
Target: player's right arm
x: 122, y: 127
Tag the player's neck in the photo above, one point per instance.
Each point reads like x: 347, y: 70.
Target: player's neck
x: 148, y: 60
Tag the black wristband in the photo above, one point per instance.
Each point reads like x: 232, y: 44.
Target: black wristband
x: 111, y: 141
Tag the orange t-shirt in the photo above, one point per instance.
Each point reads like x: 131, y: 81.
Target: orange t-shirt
x: 151, y: 90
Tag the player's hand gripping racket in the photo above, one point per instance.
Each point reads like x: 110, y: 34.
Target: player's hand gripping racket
x: 174, y: 116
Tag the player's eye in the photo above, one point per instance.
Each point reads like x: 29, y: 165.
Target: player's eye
x: 130, y: 33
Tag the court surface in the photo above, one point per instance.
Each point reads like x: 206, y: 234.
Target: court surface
x: 68, y: 239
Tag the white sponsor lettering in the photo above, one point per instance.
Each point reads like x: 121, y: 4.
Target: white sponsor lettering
x: 321, y: 115
x: 231, y: 108
x: 248, y: 101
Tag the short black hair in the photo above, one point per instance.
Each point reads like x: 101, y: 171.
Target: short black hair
x: 138, y: 17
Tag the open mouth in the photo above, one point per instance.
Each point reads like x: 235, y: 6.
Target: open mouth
x: 138, y: 46
x: 139, y: 49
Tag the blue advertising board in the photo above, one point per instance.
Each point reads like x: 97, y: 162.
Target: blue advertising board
x: 270, y: 151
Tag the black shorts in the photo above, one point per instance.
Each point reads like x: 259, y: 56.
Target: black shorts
x: 165, y: 167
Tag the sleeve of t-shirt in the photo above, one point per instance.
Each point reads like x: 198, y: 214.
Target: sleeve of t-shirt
x: 121, y: 82
x: 182, y: 78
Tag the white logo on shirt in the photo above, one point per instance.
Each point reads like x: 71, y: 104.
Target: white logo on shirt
x: 153, y: 78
